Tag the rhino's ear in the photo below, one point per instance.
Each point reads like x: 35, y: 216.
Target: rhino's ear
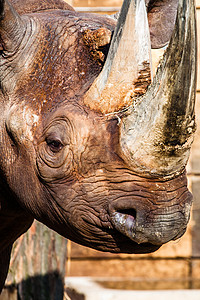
x: 161, y: 17
x: 12, y: 27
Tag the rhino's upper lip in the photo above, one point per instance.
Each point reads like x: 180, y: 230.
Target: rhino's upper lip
x: 125, y: 222
x: 133, y: 219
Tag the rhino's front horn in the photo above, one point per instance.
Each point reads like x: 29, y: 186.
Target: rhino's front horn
x: 127, y: 70
x: 157, y: 134
x: 12, y: 28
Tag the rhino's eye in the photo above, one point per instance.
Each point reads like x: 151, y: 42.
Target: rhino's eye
x: 55, y: 145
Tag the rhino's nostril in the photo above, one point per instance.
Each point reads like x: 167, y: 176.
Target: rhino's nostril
x: 125, y: 220
x: 128, y: 212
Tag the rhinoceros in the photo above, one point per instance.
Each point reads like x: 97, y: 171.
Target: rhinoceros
x: 91, y: 144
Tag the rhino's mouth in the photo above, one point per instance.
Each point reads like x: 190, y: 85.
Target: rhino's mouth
x: 156, y: 219
x: 126, y: 223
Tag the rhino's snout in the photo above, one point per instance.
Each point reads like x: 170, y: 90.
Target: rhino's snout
x: 141, y: 226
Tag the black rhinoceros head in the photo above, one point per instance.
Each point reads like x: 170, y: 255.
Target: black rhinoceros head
x: 91, y: 144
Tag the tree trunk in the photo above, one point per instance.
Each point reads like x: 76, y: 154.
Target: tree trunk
x: 37, y: 264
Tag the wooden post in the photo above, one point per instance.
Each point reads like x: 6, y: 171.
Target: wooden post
x: 37, y: 264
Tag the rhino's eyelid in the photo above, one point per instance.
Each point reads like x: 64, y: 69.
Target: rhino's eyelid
x: 55, y: 144
x: 52, y: 129
x: 61, y: 120
x: 55, y: 134
x: 51, y: 138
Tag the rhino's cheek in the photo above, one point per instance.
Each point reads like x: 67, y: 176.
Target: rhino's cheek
x: 50, y: 174
x: 54, y: 166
